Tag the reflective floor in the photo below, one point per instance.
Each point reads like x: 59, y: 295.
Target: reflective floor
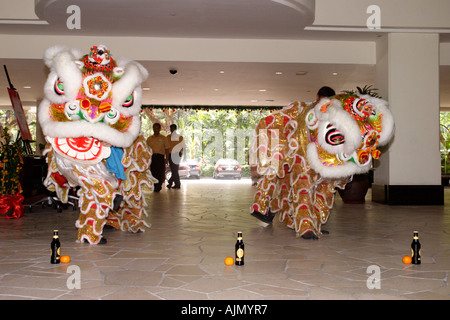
x: 194, y: 229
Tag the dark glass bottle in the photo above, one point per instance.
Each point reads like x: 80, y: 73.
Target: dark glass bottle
x: 56, y: 248
x: 415, y: 249
x: 239, y: 250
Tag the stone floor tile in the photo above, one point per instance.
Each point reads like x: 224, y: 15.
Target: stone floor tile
x: 181, y: 257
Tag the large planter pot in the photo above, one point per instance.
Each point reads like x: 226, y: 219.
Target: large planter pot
x: 356, y: 190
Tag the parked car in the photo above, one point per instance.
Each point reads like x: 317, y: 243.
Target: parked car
x: 194, y: 168
x: 227, y: 168
x: 183, y: 171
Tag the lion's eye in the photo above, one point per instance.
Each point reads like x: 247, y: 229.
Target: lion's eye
x: 129, y: 101
x: 333, y: 136
x: 59, y: 87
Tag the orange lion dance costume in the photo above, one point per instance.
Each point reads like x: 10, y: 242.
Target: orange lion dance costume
x: 306, y: 151
x: 90, y: 118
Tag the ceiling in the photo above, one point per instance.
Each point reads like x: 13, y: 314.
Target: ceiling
x: 212, y: 83
x: 195, y: 83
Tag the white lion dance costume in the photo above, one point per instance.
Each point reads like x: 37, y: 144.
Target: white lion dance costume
x: 90, y: 118
x: 305, y: 151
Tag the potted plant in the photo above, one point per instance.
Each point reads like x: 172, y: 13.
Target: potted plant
x: 11, y: 162
x: 355, y: 191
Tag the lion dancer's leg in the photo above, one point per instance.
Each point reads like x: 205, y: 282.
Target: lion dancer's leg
x: 261, y: 208
x: 299, y: 215
x: 130, y: 217
x: 96, y: 201
x: 314, y: 201
x: 138, y: 183
x: 131, y: 214
x: 324, y: 200
x: 98, y: 189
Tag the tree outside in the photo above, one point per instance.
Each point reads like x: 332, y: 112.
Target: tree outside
x: 210, y: 134
x: 445, y: 142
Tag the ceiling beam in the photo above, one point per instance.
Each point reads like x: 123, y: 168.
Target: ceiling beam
x: 188, y: 49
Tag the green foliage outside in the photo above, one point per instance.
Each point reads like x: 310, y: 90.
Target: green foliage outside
x: 445, y: 142
x: 213, y: 134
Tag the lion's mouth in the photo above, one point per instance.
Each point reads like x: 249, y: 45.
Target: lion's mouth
x: 80, y: 149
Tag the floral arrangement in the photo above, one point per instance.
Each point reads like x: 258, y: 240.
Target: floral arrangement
x: 11, y: 164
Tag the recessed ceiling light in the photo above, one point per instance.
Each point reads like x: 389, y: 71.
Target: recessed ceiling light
x: 222, y: 72
x: 145, y: 89
x: 253, y: 100
x: 262, y: 90
x: 278, y: 72
x: 335, y: 73
x: 216, y: 89
x: 27, y: 87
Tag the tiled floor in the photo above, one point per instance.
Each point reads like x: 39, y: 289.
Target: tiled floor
x: 193, y: 230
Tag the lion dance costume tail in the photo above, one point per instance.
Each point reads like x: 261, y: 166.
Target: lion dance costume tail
x: 90, y: 117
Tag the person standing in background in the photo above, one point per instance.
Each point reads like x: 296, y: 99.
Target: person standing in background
x: 176, y: 144
x: 160, y: 155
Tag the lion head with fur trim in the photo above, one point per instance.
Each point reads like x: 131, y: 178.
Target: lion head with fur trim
x: 90, y: 99
x: 345, y: 132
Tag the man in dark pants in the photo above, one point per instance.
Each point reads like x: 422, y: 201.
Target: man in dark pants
x: 160, y: 155
x: 176, y: 144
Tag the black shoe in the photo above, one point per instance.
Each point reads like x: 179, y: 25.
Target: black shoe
x: 102, y: 241
x: 169, y: 186
x: 176, y: 187
x: 117, y: 201
x: 325, y: 231
x: 267, y: 218
x: 310, y: 235
x: 107, y: 227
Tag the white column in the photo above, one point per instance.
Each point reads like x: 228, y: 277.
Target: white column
x: 407, y: 75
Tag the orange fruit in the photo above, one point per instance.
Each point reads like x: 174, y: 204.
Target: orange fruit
x: 65, y: 259
x: 229, y: 261
x: 407, y: 259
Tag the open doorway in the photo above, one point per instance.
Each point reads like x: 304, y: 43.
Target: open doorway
x: 217, y: 137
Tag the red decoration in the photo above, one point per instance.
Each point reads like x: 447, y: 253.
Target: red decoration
x: 85, y: 104
x: 61, y: 180
x: 11, y: 206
